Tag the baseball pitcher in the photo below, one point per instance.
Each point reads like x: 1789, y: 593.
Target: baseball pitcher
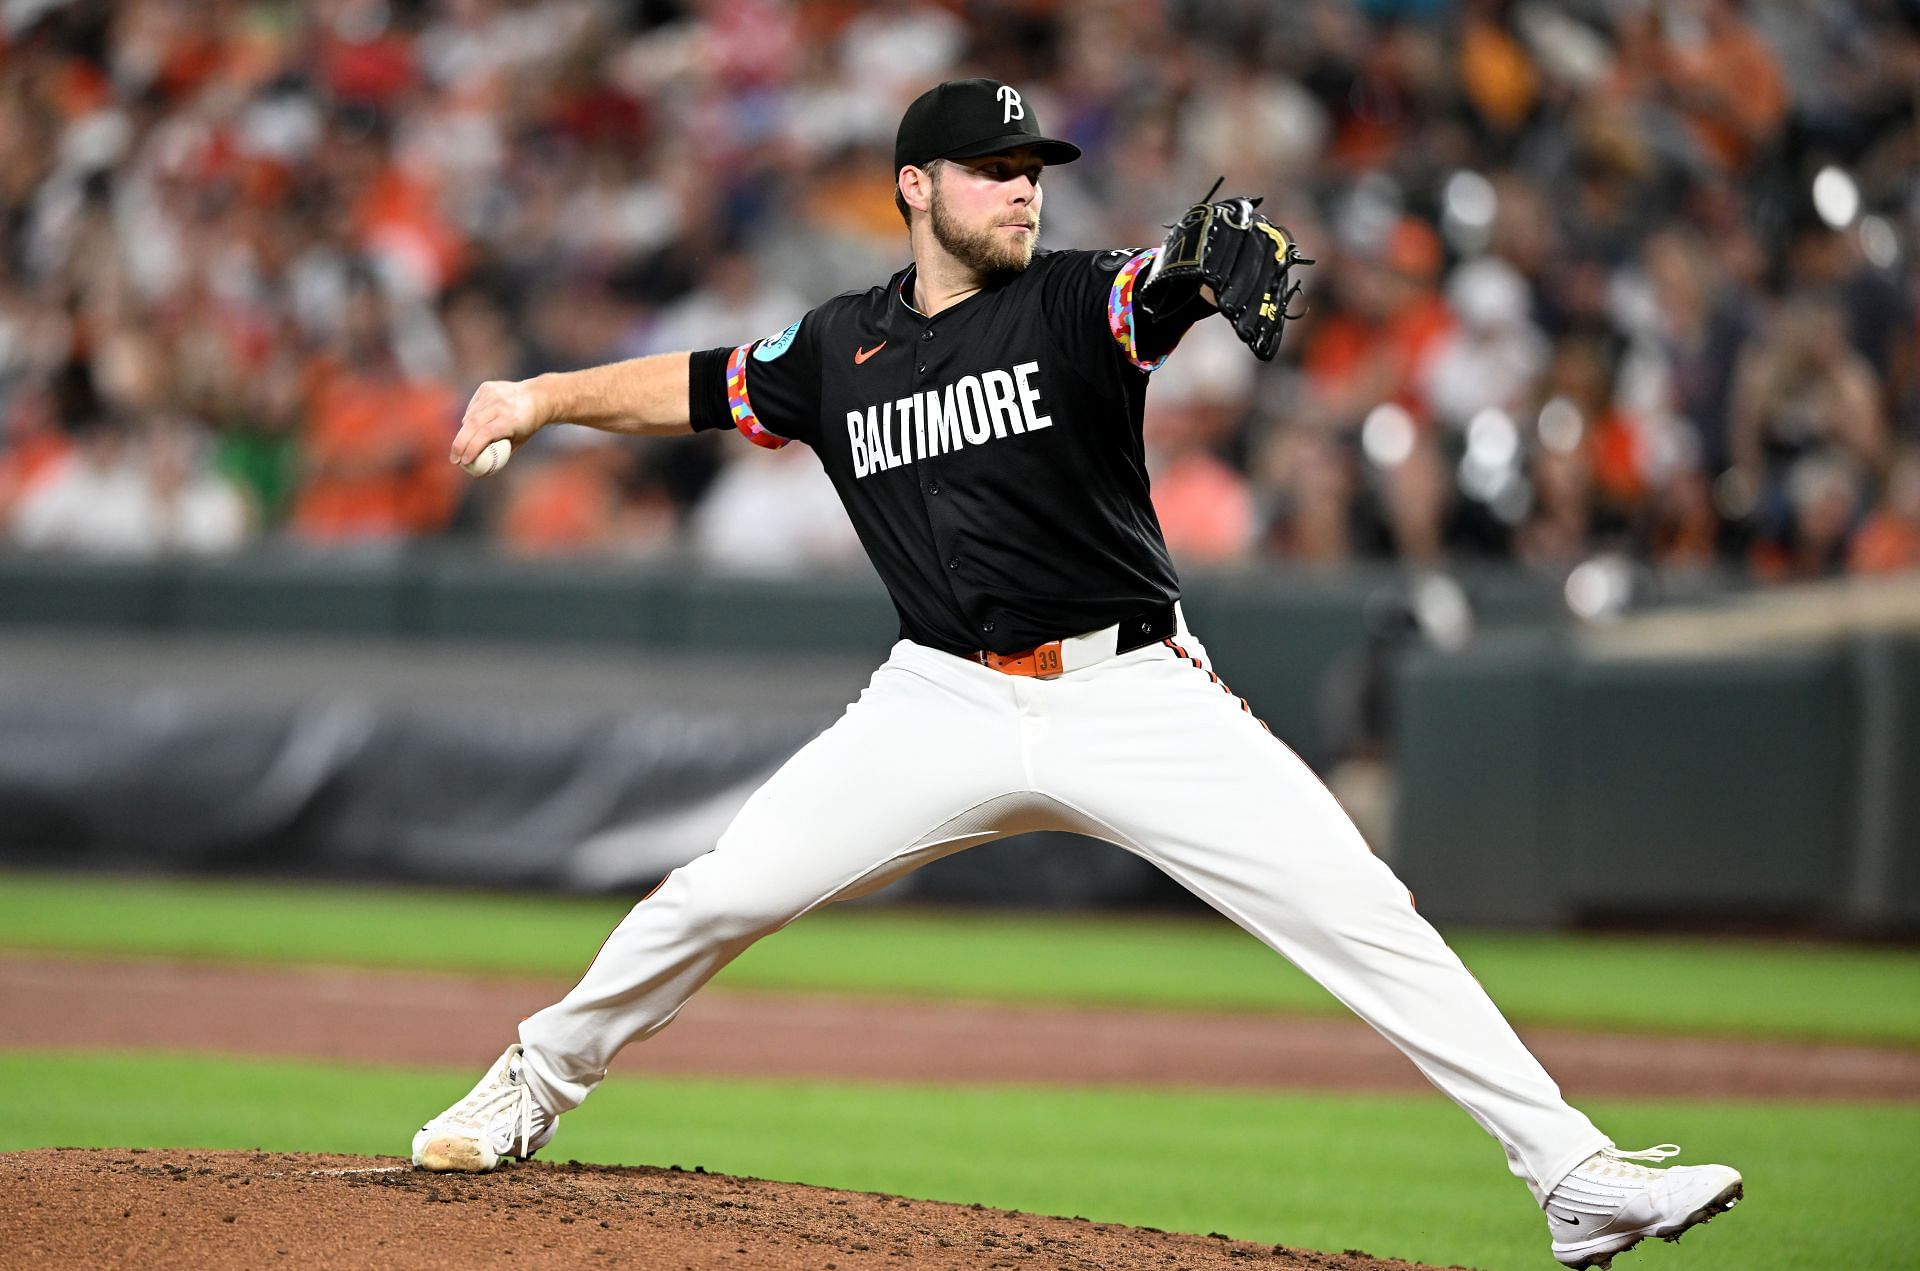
x: 979, y: 414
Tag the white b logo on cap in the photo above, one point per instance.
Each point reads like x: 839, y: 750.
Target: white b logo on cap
x: 1013, y: 107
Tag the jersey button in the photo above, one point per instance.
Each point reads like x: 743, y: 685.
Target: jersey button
x: 987, y: 627
x: 954, y: 563
x: 927, y: 334
x: 933, y: 487
x: 923, y: 368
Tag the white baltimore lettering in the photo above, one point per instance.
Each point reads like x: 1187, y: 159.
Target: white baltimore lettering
x: 886, y: 434
x: 857, y: 439
x: 1030, y: 396
x: 1001, y: 410
x: 943, y: 422
x: 971, y: 411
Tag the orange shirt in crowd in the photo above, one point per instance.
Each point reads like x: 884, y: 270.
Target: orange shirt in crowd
x: 1730, y: 88
x: 376, y: 451
x: 1885, y: 545
x: 1346, y: 349
x: 1496, y: 73
x: 563, y: 507
x: 1359, y: 358
x: 1204, y: 508
x: 1619, y: 462
x: 24, y: 462
x: 398, y: 217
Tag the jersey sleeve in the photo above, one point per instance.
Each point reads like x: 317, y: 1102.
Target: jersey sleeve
x: 1096, y: 310
x: 768, y: 389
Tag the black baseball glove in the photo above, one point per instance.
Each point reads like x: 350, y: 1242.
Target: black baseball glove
x: 1243, y: 256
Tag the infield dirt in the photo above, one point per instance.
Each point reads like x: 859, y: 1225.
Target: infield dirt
x: 390, y: 1017
x: 226, y: 1210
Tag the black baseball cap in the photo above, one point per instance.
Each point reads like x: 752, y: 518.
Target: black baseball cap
x: 966, y: 118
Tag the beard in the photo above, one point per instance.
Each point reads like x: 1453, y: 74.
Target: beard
x: 982, y: 249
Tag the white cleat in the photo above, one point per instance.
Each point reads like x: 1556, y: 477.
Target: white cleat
x: 1608, y: 1204
x: 499, y: 1120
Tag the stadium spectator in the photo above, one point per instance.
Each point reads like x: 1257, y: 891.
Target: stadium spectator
x: 1804, y: 400
x: 1889, y: 539
x: 295, y: 237
x: 1711, y: 66
x: 1700, y: 322
x: 1204, y: 504
x: 772, y: 512
x: 375, y: 441
x: 584, y: 496
x: 1312, y: 480
x: 118, y: 493
x: 1822, y: 497
x: 1491, y: 355
x: 1383, y: 320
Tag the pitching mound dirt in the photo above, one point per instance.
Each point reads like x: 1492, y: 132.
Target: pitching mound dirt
x: 220, y: 1210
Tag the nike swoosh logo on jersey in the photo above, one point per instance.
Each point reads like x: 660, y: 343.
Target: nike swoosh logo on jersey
x: 861, y: 355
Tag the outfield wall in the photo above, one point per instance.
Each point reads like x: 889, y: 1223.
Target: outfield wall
x: 1280, y: 635
x: 450, y: 718
x: 440, y: 716
x: 1757, y: 760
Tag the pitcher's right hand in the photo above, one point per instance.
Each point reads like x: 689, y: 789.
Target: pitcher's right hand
x: 500, y: 408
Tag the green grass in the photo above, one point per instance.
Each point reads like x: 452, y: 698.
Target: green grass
x: 1742, y: 987
x: 294, y: 922
x: 1408, y: 1176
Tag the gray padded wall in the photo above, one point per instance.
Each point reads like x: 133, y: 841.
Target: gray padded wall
x: 1476, y: 824
x: 1694, y: 785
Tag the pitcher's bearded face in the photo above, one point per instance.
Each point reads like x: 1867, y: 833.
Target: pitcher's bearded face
x: 986, y: 211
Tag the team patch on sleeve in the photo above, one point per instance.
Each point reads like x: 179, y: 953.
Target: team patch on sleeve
x: 1120, y: 310
x: 742, y: 407
x: 767, y: 350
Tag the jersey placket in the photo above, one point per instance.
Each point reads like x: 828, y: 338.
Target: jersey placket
x: 932, y: 355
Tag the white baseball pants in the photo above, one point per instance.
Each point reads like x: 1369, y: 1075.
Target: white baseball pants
x: 1147, y: 750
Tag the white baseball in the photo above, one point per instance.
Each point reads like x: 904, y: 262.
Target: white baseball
x: 492, y: 459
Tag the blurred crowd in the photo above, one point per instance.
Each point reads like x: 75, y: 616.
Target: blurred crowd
x: 1603, y: 277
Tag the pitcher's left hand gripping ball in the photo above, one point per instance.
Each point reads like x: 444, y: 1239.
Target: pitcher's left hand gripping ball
x: 1245, y: 258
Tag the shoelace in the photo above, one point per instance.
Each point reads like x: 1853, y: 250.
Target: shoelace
x: 1618, y: 1163
x: 478, y: 1108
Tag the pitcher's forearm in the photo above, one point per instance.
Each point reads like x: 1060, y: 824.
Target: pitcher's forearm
x: 644, y: 396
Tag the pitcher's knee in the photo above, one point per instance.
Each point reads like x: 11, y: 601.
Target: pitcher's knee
x: 731, y: 909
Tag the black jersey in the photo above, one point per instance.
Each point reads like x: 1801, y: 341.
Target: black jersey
x: 990, y: 457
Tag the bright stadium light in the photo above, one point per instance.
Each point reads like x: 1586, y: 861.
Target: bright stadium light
x: 1492, y: 440
x: 1487, y: 468
x: 1387, y: 435
x: 1835, y: 197
x: 1599, y: 589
